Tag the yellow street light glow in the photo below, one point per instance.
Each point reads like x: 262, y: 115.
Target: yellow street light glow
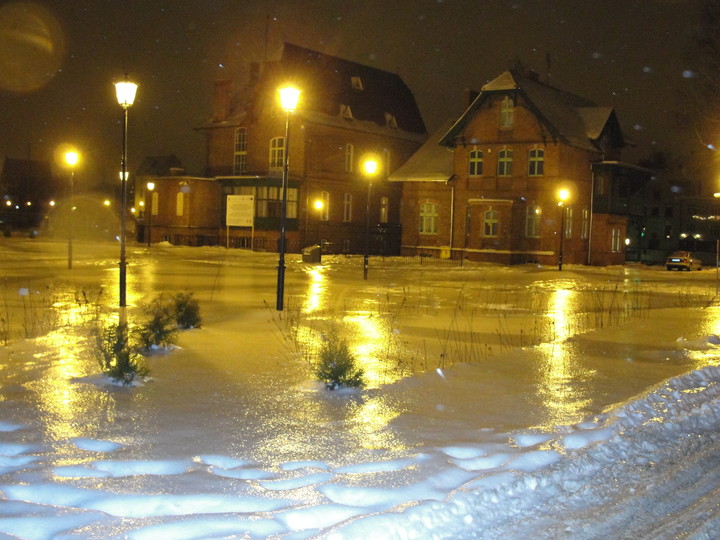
x: 318, y: 204
x: 370, y: 166
x: 289, y: 98
x: 563, y: 195
x: 72, y: 158
x: 151, y: 186
x: 106, y: 202
x: 125, y: 92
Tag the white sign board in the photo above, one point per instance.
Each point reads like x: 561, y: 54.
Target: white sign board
x: 240, y: 210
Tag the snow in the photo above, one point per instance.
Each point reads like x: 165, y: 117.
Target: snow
x: 586, y: 434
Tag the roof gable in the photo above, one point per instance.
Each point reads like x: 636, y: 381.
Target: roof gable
x: 572, y: 119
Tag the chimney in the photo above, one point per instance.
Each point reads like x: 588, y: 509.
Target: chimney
x: 221, y: 100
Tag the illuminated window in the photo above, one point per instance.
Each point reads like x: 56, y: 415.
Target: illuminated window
x: 349, y: 157
x: 384, y: 209
x: 240, y: 154
x: 179, y: 203
x: 428, y: 218
x: 533, y: 213
x: 155, y: 198
x: 277, y: 153
x: 475, y: 167
x: 347, y: 207
x: 506, y: 113
x: 536, y: 162
x: 491, y: 222
x: 504, y: 164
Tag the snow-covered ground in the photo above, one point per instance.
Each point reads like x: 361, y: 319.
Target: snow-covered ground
x: 501, y: 402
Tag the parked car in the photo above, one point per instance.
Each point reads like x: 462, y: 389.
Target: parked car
x: 683, y: 260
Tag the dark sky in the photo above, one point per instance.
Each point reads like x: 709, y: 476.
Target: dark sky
x: 635, y: 55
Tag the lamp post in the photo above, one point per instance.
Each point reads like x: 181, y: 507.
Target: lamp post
x: 125, y: 92
x: 150, y: 188
x: 289, y: 97
x: 562, y: 195
x: 370, y: 168
x: 71, y: 158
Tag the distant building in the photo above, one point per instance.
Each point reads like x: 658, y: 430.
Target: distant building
x: 27, y: 187
x: 347, y: 111
x: 496, y: 196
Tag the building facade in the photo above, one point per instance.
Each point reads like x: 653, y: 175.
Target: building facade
x: 347, y: 113
x: 523, y: 183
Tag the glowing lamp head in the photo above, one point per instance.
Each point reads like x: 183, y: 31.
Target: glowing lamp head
x: 563, y: 195
x: 319, y: 204
x: 370, y: 166
x: 125, y: 92
x: 72, y: 158
x: 151, y: 186
x: 289, y: 98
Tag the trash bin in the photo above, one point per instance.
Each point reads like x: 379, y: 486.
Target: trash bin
x: 312, y: 254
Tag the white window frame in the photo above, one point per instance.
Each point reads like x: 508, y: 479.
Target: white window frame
x: 349, y: 157
x: 536, y: 162
x: 428, y: 217
x: 507, y: 113
x: 240, y: 151
x: 491, y: 223
x: 504, y: 163
x: 475, y: 162
x: 325, y: 213
x: 277, y: 153
x: 384, y: 209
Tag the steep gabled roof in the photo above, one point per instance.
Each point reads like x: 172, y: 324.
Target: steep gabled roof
x: 330, y: 83
x: 431, y: 163
x: 159, y: 165
x: 569, y: 118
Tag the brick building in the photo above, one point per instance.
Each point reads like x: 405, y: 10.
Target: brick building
x: 347, y: 111
x: 496, y: 196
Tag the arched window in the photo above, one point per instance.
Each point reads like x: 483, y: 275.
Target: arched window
x: 506, y: 113
x: 533, y: 213
x: 491, y: 222
x: 475, y: 164
x: 325, y: 213
x: 277, y: 153
x: 536, y: 162
x: 504, y: 164
x: 428, y: 218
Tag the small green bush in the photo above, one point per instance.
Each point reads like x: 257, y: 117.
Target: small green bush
x: 161, y: 327
x: 119, y: 359
x: 337, y: 367
x: 187, y: 310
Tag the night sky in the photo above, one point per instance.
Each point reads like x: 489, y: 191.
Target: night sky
x: 60, y: 58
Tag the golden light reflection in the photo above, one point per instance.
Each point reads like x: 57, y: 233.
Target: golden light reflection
x: 67, y: 408
x: 316, y: 296
x: 370, y: 421
x: 372, y: 343
x: 561, y: 373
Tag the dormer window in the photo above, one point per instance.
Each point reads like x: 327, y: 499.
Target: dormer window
x: 390, y: 121
x: 356, y: 83
x: 346, y: 112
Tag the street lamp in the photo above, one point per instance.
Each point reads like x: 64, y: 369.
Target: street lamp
x: 370, y: 167
x: 289, y: 97
x: 563, y: 195
x: 148, y: 211
x: 71, y: 158
x: 125, y: 92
